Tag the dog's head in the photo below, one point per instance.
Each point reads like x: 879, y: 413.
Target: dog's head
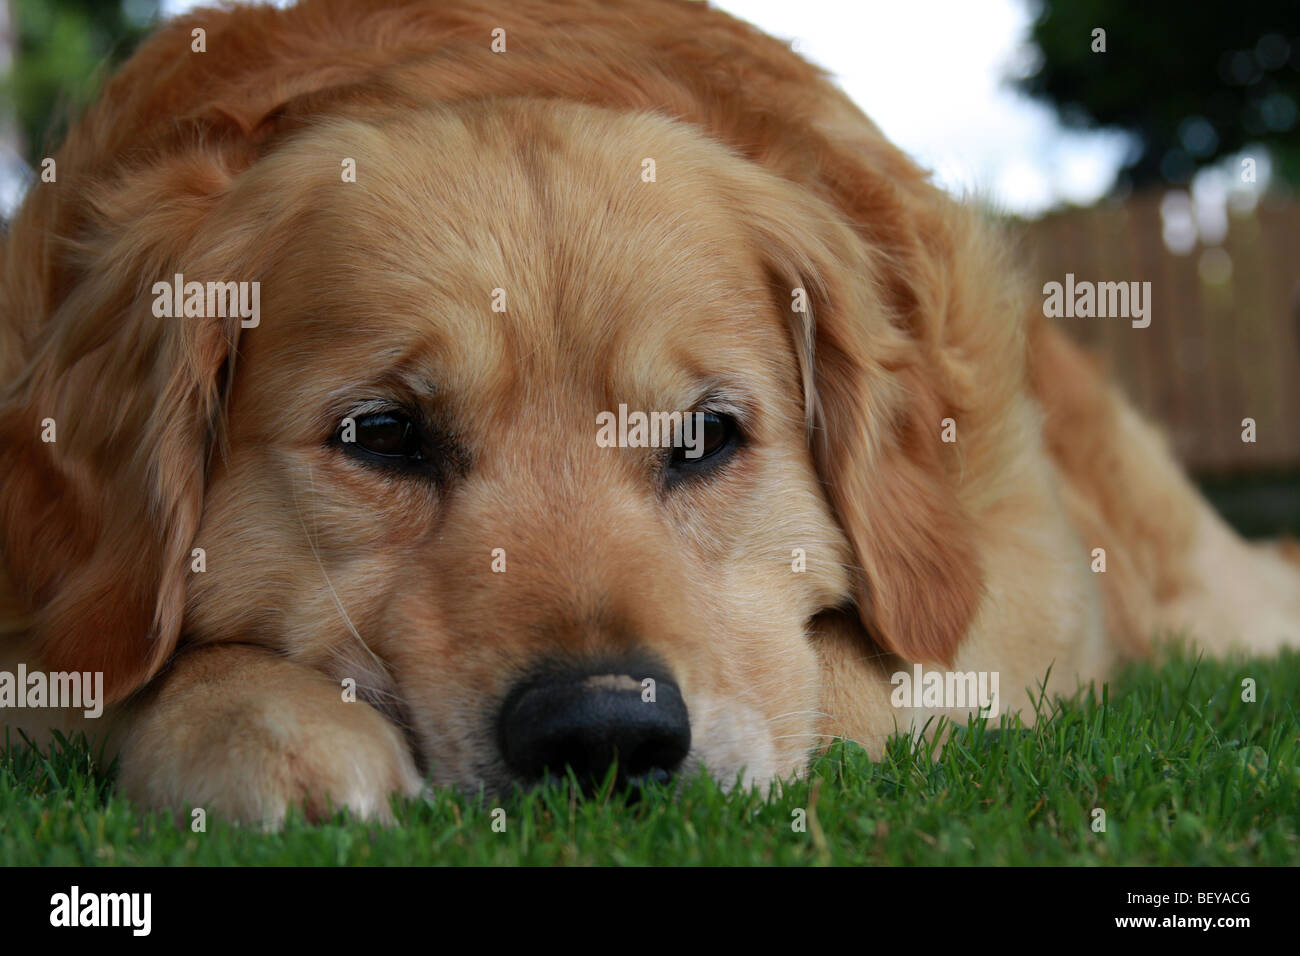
x: 399, y: 476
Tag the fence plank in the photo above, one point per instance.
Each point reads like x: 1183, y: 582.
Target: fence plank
x: 1218, y: 349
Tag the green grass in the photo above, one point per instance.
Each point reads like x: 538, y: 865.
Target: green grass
x: 1186, y: 772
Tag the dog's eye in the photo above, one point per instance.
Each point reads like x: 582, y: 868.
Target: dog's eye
x: 718, y: 435
x: 390, y: 437
x: 718, y: 431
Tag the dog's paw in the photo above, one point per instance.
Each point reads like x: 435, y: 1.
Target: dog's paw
x: 244, y: 736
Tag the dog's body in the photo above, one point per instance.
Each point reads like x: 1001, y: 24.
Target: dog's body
x: 628, y: 204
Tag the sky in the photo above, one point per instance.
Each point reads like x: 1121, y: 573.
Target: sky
x: 932, y: 75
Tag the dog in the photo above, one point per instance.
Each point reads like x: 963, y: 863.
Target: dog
x: 304, y: 352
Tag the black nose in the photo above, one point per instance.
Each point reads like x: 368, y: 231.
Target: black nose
x: 592, y: 718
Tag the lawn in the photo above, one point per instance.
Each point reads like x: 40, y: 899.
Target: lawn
x: 1185, y: 770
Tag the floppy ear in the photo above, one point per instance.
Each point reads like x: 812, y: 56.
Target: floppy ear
x: 877, y: 388
x: 104, y: 432
x: 108, y: 412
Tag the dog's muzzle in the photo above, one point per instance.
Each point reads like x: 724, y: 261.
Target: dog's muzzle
x: 589, y: 719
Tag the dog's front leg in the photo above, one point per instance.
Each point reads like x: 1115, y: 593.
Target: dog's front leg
x: 244, y: 733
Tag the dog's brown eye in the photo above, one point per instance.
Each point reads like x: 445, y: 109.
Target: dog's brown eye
x: 713, y: 438
x: 717, y: 432
x: 387, y: 437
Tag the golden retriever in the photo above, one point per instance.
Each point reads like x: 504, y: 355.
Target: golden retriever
x: 475, y: 228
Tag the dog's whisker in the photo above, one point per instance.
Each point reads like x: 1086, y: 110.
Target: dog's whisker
x: 330, y: 584
x: 814, y: 734
x: 797, y: 713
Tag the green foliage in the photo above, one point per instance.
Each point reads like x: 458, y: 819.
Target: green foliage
x: 1186, y: 772
x: 1194, y: 81
x: 65, y: 48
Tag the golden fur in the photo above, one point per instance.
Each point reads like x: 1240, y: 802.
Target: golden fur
x: 522, y: 171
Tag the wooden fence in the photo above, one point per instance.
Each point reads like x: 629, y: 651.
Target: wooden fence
x: 1218, y: 349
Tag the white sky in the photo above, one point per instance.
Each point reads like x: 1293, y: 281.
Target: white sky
x: 930, y: 74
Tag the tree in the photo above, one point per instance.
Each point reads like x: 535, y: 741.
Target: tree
x: 62, y: 51
x: 1193, y: 80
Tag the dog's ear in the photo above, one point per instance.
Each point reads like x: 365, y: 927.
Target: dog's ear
x: 109, y: 412
x: 879, y: 381
x: 105, y: 428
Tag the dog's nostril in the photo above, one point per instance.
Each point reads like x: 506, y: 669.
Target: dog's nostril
x: 590, y: 721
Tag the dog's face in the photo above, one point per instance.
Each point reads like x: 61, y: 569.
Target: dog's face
x: 398, y: 477
x: 412, y: 493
